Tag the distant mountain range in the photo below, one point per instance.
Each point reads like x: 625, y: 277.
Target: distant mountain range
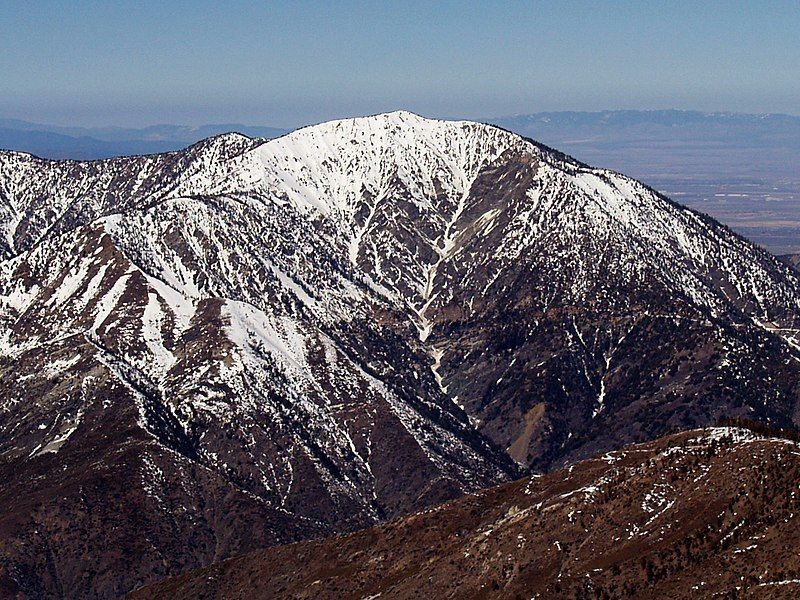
x: 88, y: 143
x: 575, y: 132
x: 614, y: 127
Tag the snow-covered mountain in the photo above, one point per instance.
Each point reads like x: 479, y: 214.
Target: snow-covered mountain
x: 249, y: 342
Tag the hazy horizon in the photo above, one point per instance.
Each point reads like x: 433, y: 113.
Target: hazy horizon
x: 163, y: 120
x: 104, y: 64
x: 484, y: 118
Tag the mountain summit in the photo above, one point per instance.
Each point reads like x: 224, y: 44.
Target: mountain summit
x: 247, y: 343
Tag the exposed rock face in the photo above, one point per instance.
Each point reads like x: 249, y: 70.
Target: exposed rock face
x: 247, y: 343
x: 697, y: 515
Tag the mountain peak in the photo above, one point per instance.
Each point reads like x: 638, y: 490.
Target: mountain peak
x: 403, y: 115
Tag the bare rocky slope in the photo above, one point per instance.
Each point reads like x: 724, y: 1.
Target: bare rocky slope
x: 251, y: 342
x: 703, y: 514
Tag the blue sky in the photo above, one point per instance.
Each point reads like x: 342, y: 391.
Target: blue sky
x: 284, y: 64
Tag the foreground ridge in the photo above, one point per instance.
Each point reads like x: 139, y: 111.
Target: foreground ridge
x: 698, y: 514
